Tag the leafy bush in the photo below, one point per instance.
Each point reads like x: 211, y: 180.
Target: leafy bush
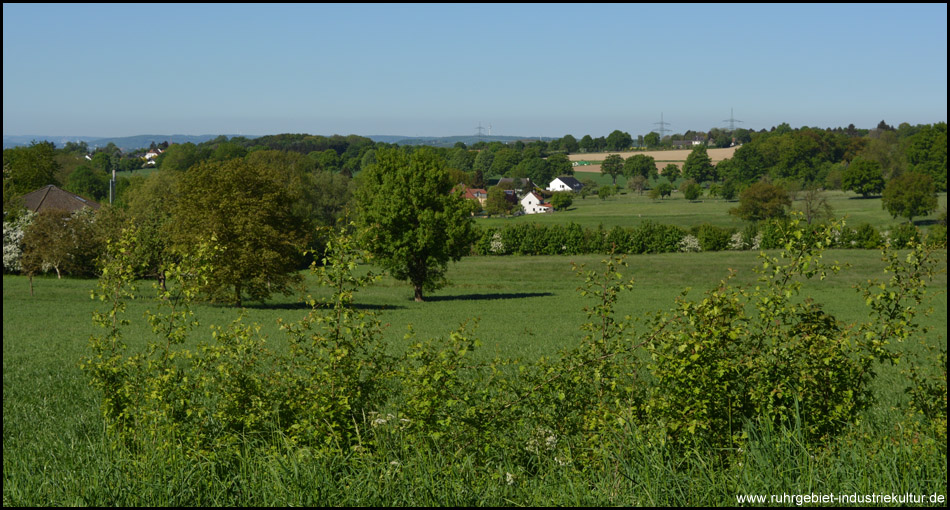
x: 712, y: 238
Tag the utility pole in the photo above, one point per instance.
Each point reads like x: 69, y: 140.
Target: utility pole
x: 732, y: 121
x: 662, y: 129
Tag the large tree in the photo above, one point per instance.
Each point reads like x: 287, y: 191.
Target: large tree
x: 909, y: 195
x: 639, y: 164
x: 863, y: 176
x: 414, y: 225
x: 248, y: 207
x: 699, y: 166
x: 927, y: 153
x: 619, y: 140
x: 27, y: 169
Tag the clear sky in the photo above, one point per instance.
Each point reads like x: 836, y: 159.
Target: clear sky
x: 441, y: 70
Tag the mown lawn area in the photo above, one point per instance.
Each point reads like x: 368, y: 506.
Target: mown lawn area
x: 630, y: 209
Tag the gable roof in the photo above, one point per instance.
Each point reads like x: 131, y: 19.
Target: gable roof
x: 51, y: 197
x: 569, y: 181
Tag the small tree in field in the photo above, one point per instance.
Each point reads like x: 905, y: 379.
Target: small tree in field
x: 561, y: 200
x: 863, y: 176
x: 909, y: 195
x: 691, y: 189
x: 663, y: 189
x: 762, y: 201
x: 612, y: 166
x: 671, y: 172
x: 637, y: 183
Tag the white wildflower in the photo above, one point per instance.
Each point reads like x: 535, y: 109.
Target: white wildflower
x: 497, y: 245
x: 756, y: 241
x: 510, y: 478
x: 13, y: 241
x: 689, y: 243
x: 736, y: 242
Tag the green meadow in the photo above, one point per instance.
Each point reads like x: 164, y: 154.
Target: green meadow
x: 55, y: 451
x: 630, y: 209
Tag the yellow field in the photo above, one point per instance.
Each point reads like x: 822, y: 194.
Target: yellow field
x: 663, y: 158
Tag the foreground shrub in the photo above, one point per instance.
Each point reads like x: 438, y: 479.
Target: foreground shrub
x: 694, y: 384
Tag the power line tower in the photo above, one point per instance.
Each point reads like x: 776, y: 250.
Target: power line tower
x: 661, y: 124
x: 480, y: 130
x: 732, y: 121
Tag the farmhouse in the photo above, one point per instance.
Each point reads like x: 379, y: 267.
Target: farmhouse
x: 565, y: 183
x: 474, y: 194
x: 151, y: 155
x: 532, y: 203
x: 51, y: 197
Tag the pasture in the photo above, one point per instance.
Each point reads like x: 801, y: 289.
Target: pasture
x: 630, y: 209
x: 526, y: 307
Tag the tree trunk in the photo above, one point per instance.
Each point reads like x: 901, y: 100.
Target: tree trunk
x: 419, y: 293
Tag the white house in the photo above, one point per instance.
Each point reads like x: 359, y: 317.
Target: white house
x: 151, y: 155
x: 565, y: 183
x: 532, y: 203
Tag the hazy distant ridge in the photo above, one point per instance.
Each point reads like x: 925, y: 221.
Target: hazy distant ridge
x: 125, y: 143
x: 128, y: 143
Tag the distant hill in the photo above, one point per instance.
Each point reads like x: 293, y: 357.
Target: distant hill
x: 128, y: 143
x: 447, y: 141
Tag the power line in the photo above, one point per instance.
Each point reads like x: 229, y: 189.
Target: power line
x: 732, y: 121
x: 661, y: 123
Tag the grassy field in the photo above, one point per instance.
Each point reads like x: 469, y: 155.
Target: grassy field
x: 54, y: 449
x: 631, y: 209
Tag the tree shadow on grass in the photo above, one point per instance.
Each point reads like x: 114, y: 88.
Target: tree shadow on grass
x: 305, y: 306
x: 487, y: 297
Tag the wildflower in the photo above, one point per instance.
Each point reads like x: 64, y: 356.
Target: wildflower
x: 756, y: 241
x: 497, y: 245
x: 736, y: 242
x: 689, y: 243
x: 510, y: 478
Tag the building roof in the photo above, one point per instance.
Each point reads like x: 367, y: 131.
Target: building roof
x: 570, y: 181
x: 51, y: 197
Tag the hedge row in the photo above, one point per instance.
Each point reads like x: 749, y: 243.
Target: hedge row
x: 651, y: 237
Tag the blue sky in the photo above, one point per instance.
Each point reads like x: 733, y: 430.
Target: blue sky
x: 441, y: 70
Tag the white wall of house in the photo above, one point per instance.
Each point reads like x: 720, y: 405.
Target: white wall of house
x: 531, y: 203
x: 557, y: 185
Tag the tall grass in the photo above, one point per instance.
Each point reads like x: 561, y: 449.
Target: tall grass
x: 56, y: 452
